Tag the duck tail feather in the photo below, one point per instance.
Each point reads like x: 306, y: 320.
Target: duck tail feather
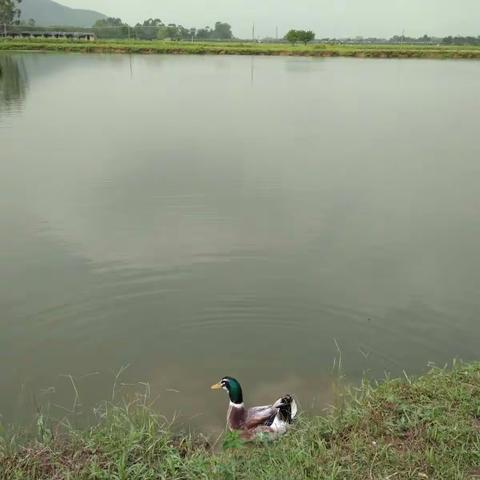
x: 287, y: 408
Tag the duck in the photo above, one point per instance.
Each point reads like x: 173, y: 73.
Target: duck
x: 265, y: 422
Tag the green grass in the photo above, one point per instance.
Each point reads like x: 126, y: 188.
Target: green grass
x: 400, y: 429
x: 237, y: 48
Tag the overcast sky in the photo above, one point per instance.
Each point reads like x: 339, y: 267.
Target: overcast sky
x: 328, y: 18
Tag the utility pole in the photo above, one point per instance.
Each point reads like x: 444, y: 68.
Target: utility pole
x: 253, y: 32
x: 276, y: 32
x: 5, y: 30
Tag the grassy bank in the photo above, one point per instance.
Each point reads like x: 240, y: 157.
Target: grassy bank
x: 235, y: 48
x: 400, y: 429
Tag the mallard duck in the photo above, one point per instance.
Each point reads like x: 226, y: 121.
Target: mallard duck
x: 268, y: 421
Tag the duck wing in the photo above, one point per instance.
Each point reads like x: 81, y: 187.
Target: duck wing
x: 257, y: 416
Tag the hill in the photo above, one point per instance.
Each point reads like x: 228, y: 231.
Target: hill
x: 48, y: 13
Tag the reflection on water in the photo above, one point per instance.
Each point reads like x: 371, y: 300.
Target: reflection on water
x: 13, y: 82
x: 193, y: 224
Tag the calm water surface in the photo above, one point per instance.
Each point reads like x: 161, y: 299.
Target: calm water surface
x: 194, y: 217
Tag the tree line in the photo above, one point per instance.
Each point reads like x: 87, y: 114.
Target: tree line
x: 461, y: 40
x: 154, y: 28
x: 402, y: 39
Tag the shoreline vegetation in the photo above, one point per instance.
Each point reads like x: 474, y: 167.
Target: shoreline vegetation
x: 245, y: 48
x: 422, y: 428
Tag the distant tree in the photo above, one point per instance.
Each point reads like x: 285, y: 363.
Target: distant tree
x: 26, y: 23
x: 171, y: 32
x: 204, y: 33
x: 109, y: 22
x: 292, y: 37
x: 9, y: 11
x: 152, y: 22
x: 305, y: 36
x: 183, y: 33
x: 111, y: 28
x: 162, y: 32
x: 222, y: 31
x: 148, y: 30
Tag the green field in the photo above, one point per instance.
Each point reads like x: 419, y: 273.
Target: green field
x: 428, y: 428
x: 236, y: 48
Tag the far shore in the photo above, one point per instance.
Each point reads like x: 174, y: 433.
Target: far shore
x: 236, y: 48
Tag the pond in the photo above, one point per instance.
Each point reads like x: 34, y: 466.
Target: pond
x: 173, y: 219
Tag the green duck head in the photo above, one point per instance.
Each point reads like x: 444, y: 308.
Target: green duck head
x: 232, y: 386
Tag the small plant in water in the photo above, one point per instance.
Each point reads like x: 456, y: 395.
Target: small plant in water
x: 43, y: 431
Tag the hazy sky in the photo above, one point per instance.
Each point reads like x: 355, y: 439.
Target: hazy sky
x: 328, y: 18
